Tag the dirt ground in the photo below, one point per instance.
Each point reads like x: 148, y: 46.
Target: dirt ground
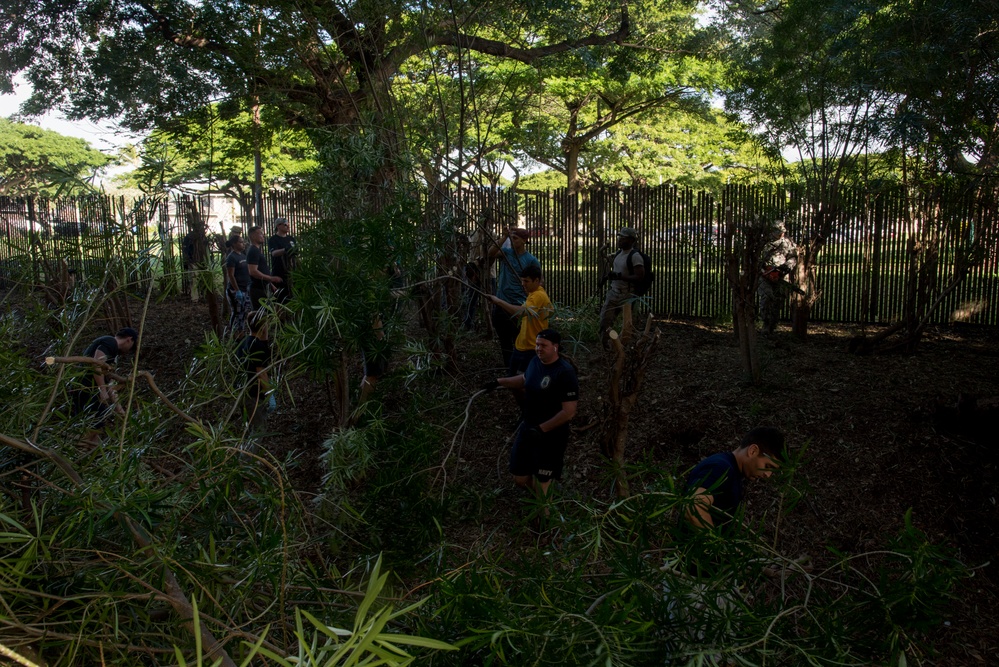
x: 883, y: 435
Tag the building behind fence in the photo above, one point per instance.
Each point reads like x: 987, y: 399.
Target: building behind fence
x: 861, y: 274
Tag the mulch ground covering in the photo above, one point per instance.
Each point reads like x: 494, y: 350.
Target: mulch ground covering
x: 883, y: 434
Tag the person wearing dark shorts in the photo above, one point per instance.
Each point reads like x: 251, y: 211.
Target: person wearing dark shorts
x: 551, y: 396
x: 515, y: 259
x: 95, y: 399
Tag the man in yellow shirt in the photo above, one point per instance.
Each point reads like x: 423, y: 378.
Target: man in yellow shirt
x: 534, y: 314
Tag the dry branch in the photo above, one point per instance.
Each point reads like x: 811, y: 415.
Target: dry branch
x: 627, y: 372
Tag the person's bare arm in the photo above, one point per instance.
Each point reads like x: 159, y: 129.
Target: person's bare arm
x: 259, y: 275
x: 508, y: 307
x: 699, y: 513
x: 497, y: 244
x: 230, y: 273
x: 563, y: 416
x: 106, y: 393
x: 263, y: 379
x: 515, y: 382
x: 102, y: 389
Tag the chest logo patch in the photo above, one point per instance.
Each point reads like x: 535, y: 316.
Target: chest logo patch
x: 545, y: 381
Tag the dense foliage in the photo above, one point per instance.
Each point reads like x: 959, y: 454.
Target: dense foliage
x: 34, y: 160
x: 170, y: 542
x: 215, y: 148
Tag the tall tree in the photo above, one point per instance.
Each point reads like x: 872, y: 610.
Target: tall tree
x: 322, y: 64
x: 33, y: 160
x: 834, y: 81
x: 794, y: 83
x: 581, y: 98
x: 208, y: 148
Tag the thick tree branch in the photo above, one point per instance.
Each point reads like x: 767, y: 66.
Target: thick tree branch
x: 443, y: 36
x: 161, y: 24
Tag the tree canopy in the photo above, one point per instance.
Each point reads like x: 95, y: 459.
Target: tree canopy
x: 837, y: 79
x: 33, y: 160
x: 207, y: 148
x: 323, y: 64
x: 592, y: 63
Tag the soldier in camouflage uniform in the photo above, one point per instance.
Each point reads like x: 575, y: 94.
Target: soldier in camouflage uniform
x: 780, y: 256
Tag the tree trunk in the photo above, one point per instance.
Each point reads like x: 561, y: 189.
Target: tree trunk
x: 627, y: 372
x: 742, y: 269
x: 745, y: 326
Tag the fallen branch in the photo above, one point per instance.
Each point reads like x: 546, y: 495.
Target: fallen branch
x: 175, y: 593
x: 145, y: 375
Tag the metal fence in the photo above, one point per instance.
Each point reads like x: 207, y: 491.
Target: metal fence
x: 862, y: 271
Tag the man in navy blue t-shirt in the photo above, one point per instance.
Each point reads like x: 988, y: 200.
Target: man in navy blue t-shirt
x: 717, y: 482
x: 551, y: 391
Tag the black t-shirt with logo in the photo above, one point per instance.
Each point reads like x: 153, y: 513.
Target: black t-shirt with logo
x: 546, y: 388
x: 237, y: 262
x: 256, y: 256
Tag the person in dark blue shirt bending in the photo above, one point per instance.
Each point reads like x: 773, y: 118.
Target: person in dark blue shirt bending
x: 551, y: 394
x: 716, y: 483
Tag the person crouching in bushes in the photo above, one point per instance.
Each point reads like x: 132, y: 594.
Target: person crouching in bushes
x: 254, y: 355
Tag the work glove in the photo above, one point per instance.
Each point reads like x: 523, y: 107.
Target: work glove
x: 490, y: 385
x: 240, y: 295
x: 271, y: 404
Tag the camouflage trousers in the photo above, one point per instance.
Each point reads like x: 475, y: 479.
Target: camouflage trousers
x: 772, y: 296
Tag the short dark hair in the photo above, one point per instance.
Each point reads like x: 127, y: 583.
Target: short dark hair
x: 551, y: 335
x: 128, y: 332
x: 532, y: 271
x: 768, y: 439
x: 253, y: 229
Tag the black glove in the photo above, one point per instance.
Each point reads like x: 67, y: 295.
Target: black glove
x: 607, y: 276
x: 489, y: 385
x: 533, y: 434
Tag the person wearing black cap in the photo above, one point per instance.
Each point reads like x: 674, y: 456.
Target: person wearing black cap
x: 551, y: 396
x: 282, y: 246
x: 628, y: 269
x: 509, y: 288
x: 95, y: 398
